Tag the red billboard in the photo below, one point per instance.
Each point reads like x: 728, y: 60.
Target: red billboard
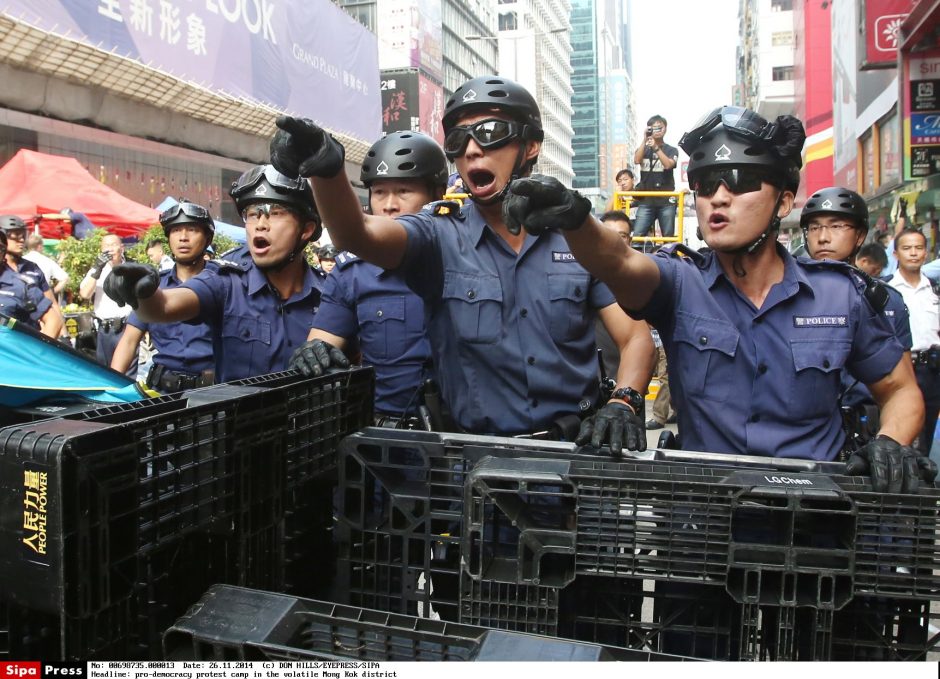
x: 431, y: 108
x: 883, y: 31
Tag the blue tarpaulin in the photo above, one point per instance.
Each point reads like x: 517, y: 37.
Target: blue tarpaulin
x: 35, y: 369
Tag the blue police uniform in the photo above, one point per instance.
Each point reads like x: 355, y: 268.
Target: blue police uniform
x: 512, y: 334
x: 32, y: 271
x: 182, y: 347
x: 896, y: 312
x: 254, y: 331
x: 765, y: 382
x: 361, y: 299
x: 20, y: 299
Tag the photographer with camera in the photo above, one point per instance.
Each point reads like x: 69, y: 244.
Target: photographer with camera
x: 657, y: 161
x: 922, y: 302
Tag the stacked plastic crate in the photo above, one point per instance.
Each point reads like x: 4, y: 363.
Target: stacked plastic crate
x: 688, y: 554
x: 113, y: 523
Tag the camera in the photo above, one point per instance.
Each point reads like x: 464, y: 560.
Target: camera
x: 649, y: 131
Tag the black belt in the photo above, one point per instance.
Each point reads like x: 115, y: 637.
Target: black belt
x: 923, y: 357
x: 168, y: 381
x: 109, y: 324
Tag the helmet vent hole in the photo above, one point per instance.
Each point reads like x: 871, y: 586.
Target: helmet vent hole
x: 751, y: 151
x: 407, y: 166
x: 403, y: 152
x: 499, y: 93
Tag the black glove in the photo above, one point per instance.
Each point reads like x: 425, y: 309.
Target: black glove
x: 893, y: 468
x: 316, y: 357
x: 301, y: 148
x: 541, y: 203
x: 100, y: 264
x: 616, y: 423
x: 131, y: 282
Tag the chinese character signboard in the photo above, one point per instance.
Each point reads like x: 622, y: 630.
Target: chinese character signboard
x: 922, y: 114
x: 307, y: 57
x: 399, y: 101
x: 882, y: 31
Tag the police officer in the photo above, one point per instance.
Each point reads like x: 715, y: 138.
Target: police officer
x: 184, y: 350
x: 327, y: 257
x: 403, y: 171
x: 260, y: 312
x: 110, y: 316
x: 756, y: 339
x: 16, y: 232
x: 923, y: 303
x: 20, y: 298
x: 510, y: 316
x: 835, y: 224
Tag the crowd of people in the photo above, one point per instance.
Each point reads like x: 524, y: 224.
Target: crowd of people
x: 486, y: 316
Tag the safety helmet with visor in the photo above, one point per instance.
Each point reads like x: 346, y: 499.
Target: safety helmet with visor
x: 264, y: 184
x: 185, y: 212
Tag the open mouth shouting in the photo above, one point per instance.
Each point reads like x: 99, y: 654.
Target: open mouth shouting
x: 260, y: 245
x: 481, y: 182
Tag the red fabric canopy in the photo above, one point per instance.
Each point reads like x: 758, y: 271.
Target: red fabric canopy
x: 33, y: 183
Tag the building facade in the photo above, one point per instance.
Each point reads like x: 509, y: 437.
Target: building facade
x: 534, y: 50
x: 602, y: 95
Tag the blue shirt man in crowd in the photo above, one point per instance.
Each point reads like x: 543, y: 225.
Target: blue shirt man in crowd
x: 835, y: 224
x: 258, y: 313
x: 756, y: 339
x: 184, y: 350
x: 20, y: 298
x: 366, y: 306
x: 510, y: 317
x: 16, y: 232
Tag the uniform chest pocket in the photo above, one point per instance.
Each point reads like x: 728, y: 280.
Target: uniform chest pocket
x: 474, y: 303
x: 246, y: 329
x: 817, y: 368
x: 705, y: 351
x: 568, y: 295
x: 382, y: 326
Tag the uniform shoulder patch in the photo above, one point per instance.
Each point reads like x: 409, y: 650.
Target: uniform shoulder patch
x: 344, y: 259
x: 450, y: 208
x: 229, y: 266
x: 681, y: 250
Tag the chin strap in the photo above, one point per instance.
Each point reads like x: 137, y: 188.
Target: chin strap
x: 498, y: 198
x: 757, y: 243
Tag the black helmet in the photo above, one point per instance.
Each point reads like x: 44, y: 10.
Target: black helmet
x: 10, y: 223
x: 327, y: 251
x: 835, y: 200
x: 735, y: 136
x: 185, y: 212
x: 405, y: 155
x: 492, y: 91
x: 264, y: 184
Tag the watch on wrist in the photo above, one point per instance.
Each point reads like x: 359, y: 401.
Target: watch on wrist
x: 633, y: 398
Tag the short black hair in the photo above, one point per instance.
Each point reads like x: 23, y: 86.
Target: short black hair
x: 616, y: 216
x: 624, y: 171
x: 907, y: 231
x: 875, y: 253
x: 155, y: 241
x: 657, y: 119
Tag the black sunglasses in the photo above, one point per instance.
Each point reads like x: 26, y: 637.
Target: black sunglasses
x: 736, y: 119
x: 250, y: 179
x: 191, y: 210
x: 738, y: 180
x: 488, y: 134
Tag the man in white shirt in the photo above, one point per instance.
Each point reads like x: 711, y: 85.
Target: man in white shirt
x: 923, y: 303
x: 109, y: 316
x: 55, y: 275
